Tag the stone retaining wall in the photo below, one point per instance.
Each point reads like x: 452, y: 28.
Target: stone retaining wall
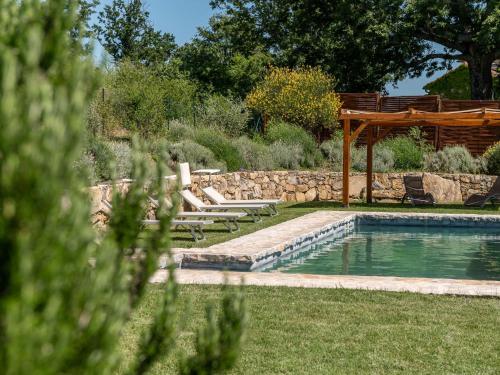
x: 306, y: 186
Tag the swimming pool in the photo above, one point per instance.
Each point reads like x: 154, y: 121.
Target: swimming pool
x: 404, y: 251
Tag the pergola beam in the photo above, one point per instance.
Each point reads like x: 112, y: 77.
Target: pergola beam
x: 479, y: 114
x: 410, y: 123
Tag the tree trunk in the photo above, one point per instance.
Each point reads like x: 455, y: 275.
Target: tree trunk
x: 481, y: 80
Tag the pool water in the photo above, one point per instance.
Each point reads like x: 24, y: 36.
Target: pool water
x: 435, y: 252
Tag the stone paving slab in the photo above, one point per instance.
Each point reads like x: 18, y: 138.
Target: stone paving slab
x: 379, y: 283
x: 255, y: 249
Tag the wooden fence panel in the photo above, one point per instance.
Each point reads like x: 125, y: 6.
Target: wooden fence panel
x: 477, y: 140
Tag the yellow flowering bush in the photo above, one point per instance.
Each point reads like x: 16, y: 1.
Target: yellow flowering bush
x: 492, y: 157
x: 304, y: 97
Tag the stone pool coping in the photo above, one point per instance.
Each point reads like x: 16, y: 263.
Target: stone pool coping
x: 254, y: 250
x: 375, y: 283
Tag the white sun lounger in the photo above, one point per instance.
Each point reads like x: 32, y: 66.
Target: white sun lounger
x: 229, y: 219
x: 218, y: 198
x: 251, y: 209
x: 194, y: 226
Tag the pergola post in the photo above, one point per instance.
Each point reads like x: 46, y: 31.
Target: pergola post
x: 369, y: 165
x: 346, y: 160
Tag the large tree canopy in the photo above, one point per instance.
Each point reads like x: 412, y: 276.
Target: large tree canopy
x: 222, y: 67
x: 469, y: 31
x: 367, y: 43
x: 125, y: 31
x: 353, y: 41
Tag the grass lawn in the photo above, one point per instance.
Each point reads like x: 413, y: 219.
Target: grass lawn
x: 218, y: 233
x: 335, y: 331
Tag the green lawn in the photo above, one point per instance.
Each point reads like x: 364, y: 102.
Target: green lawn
x: 328, y: 331
x: 218, y: 233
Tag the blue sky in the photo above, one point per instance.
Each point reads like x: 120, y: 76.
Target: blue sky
x: 182, y: 17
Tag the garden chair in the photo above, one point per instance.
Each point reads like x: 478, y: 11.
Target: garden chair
x: 415, y: 193
x: 479, y: 200
x: 218, y: 198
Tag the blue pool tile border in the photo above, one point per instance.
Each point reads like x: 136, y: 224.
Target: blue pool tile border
x: 441, y: 220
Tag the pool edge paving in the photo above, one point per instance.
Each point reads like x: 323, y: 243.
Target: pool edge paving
x: 374, y: 283
x: 254, y: 250
x: 251, y: 251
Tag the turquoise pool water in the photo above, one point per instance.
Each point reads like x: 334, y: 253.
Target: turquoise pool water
x: 436, y: 252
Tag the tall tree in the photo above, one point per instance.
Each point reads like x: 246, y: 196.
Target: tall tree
x: 469, y: 30
x: 220, y: 66
x: 85, y: 10
x: 66, y: 293
x: 368, y: 43
x: 125, y: 31
x: 353, y: 41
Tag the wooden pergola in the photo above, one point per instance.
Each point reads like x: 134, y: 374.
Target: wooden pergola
x: 379, y: 124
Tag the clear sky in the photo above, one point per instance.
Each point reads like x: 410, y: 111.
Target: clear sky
x: 183, y: 17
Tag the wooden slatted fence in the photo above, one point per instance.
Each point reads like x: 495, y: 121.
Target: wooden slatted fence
x: 477, y: 140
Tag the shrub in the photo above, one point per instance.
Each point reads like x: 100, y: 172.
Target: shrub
x: 257, y: 155
x: 303, y: 97
x: 179, y: 130
x: 222, y: 147
x: 453, y: 159
x: 408, y: 153
x: 332, y: 151
x: 108, y: 159
x: 85, y: 168
x: 383, y: 158
x: 196, y: 155
x: 121, y: 154
x: 226, y: 114
x: 492, y: 157
x: 141, y: 98
x: 103, y: 158
x: 287, y: 156
x: 291, y: 134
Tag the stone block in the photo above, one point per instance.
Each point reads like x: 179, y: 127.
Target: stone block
x: 311, y: 195
x: 443, y: 190
x: 302, y: 188
x: 300, y: 197
x: 323, y: 195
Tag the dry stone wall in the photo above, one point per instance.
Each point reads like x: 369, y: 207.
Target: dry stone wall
x: 306, y: 186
